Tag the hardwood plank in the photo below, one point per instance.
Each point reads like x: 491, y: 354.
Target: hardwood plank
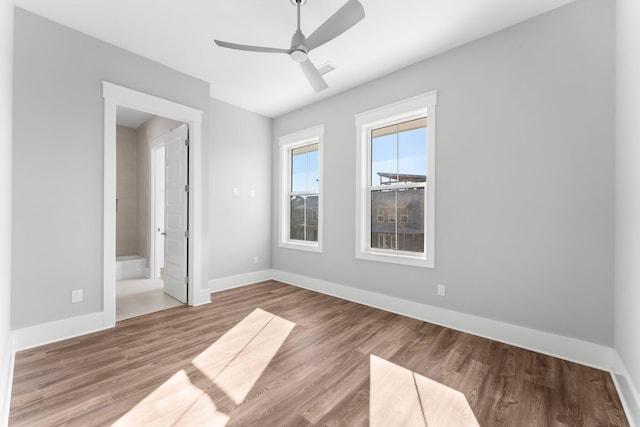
x: 319, y: 374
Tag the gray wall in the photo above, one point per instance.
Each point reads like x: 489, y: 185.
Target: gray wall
x: 240, y: 226
x: 6, y: 84
x: 627, y: 291
x: 525, y: 157
x: 58, y: 168
x: 58, y: 160
x: 126, y: 191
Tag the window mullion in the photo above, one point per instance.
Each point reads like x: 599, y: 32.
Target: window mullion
x: 398, y: 186
x: 395, y: 205
x: 304, y: 219
x: 304, y: 193
x: 396, y: 220
x: 397, y: 154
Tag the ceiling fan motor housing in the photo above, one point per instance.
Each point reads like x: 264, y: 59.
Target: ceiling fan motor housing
x: 298, y: 50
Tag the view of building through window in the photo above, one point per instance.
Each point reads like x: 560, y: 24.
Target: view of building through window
x: 304, y: 193
x: 398, y: 178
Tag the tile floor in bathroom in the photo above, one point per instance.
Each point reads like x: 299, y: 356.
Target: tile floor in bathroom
x: 136, y: 297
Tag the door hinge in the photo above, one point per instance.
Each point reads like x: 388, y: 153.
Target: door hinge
x: 186, y: 142
x: 186, y: 234
x: 186, y: 188
x: 186, y: 280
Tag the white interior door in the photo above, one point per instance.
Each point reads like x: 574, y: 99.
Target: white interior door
x: 176, y: 214
x: 158, y: 211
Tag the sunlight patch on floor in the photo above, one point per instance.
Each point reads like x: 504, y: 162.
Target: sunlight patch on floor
x: 233, y: 363
x: 400, y: 397
x: 236, y: 361
x: 176, y: 402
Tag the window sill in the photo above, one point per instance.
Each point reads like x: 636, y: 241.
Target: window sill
x: 309, y: 247
x: 416, y: 261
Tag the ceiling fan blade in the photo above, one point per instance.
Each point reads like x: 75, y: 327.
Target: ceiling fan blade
x: 346, y: 17
x: 250, y: 48
x: 313, y: 76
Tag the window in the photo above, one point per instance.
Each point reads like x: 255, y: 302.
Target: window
x: 392, y: 214
x: 301, y: 190
x: 386, y: 241
x: 396, y: 179
x: 403, y: 212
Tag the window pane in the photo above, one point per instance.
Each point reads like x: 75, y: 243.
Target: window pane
x: 412, y: 155
x: 383, y: 201
x: 399, y: 153
x: 304, y: 168
x: 304, y: 218
x: 411, y: 224
x: 402, y: 227
x: 312, y: 219
x: 384, y: 158
x: 297, y: 218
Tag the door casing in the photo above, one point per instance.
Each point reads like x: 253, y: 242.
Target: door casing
x: 114, y: 96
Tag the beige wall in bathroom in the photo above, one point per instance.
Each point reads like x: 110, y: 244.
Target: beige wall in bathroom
x: 126, y: 192
x: 146, y: 133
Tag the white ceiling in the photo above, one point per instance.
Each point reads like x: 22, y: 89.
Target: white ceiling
x: 180, y: 35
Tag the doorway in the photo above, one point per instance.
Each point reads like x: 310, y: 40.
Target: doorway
x: 197, y: 290
x: 151, y: 158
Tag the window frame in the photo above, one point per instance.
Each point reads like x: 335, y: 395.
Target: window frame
x: 402, y: 111
x: 287, y: 144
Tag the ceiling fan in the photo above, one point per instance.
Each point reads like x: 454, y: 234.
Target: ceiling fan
x: 346, y: 17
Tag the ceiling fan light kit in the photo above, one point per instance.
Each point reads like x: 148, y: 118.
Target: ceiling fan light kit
x: 346, y: 17
x: 298, y: 55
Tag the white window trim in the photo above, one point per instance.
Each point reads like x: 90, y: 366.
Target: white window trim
x: 288, y: 143
x: 408, y: 109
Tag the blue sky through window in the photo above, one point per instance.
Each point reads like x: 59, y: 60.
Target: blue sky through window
x: 304, y: 169
x: 403, y: 152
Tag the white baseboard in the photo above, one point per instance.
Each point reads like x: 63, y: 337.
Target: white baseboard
x: 583, y: 352
x: 571, y: 349
x: 627, y: 391
x: 34, y: 336
x: 224, y: 283
x: 201, y: 296
x: 46, y: 333
x: 586, y: 353
x: 6, y: 381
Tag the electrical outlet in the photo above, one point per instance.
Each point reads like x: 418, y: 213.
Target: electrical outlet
x: 253, y: 193
x: 236, y: 191
x: 255, y: 259
x: 441, y: 290
x: 76, y: 295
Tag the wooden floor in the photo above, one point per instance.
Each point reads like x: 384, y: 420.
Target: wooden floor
x: 318, y: 375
